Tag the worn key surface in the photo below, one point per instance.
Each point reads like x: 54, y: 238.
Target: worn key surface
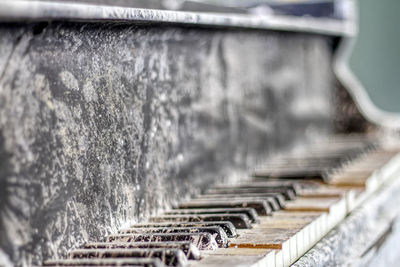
x: 170, y: 257
x: 217, y: 232
x: 203, y: 241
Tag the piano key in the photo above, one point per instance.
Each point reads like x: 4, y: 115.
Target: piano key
x: 287, y: 192
x: 227, y: 226
x: 271, y: 200
x: 335, y: 207
x: 240, y: 221
x: 303, y: 173
x: 261, y: 206
x: 307, y: 224
x: 279, y: 198
x: 217, y: 232
x: 270, y: 183
x: 170, y: 257
x: 312, y: 204
x: 203, y: 241
x: 191, y: 251
x: 317, y: 228
x: 279, y: 239
x: 148, y: 262
x: 250, y: 212
x: 323, y: 191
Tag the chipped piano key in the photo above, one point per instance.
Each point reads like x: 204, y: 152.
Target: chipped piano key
x: 203, y: 241
x: 170, y: 257
x: 217, y: 232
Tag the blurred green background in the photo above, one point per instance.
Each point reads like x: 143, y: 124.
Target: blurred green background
x: 376, y: 56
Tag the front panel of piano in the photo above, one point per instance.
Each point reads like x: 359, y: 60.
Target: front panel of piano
x: 104, y: 125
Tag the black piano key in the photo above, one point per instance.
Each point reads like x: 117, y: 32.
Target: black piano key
x: 170, y: 257
x: 293, y: 174
x: 220, y: 236
x: 136, y: 262
x: 271, y: 201
x: 250, y: 212
x: 190, y: 250
x: 203, y: 241
x: 279, y: 198
x: 274, y: 183
x: 227, y: 226
x: 287, y: 192
x: 240, y: 221
x: 269, y: 184
x: 261, y: 206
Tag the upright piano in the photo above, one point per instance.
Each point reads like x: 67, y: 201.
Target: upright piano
x: 190, y: 133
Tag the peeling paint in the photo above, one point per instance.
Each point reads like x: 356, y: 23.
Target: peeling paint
x: 69, y: 80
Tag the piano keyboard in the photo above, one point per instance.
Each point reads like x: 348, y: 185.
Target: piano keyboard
x: 271, y: 219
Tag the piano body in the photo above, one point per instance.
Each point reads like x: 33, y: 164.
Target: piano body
x: 149, y: 137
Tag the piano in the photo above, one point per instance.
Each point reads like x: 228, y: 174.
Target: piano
x: 136, y: 135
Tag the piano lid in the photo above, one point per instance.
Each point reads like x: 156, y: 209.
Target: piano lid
x: 151, y: 13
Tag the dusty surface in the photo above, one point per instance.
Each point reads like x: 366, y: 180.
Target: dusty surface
x: 103, y: 125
